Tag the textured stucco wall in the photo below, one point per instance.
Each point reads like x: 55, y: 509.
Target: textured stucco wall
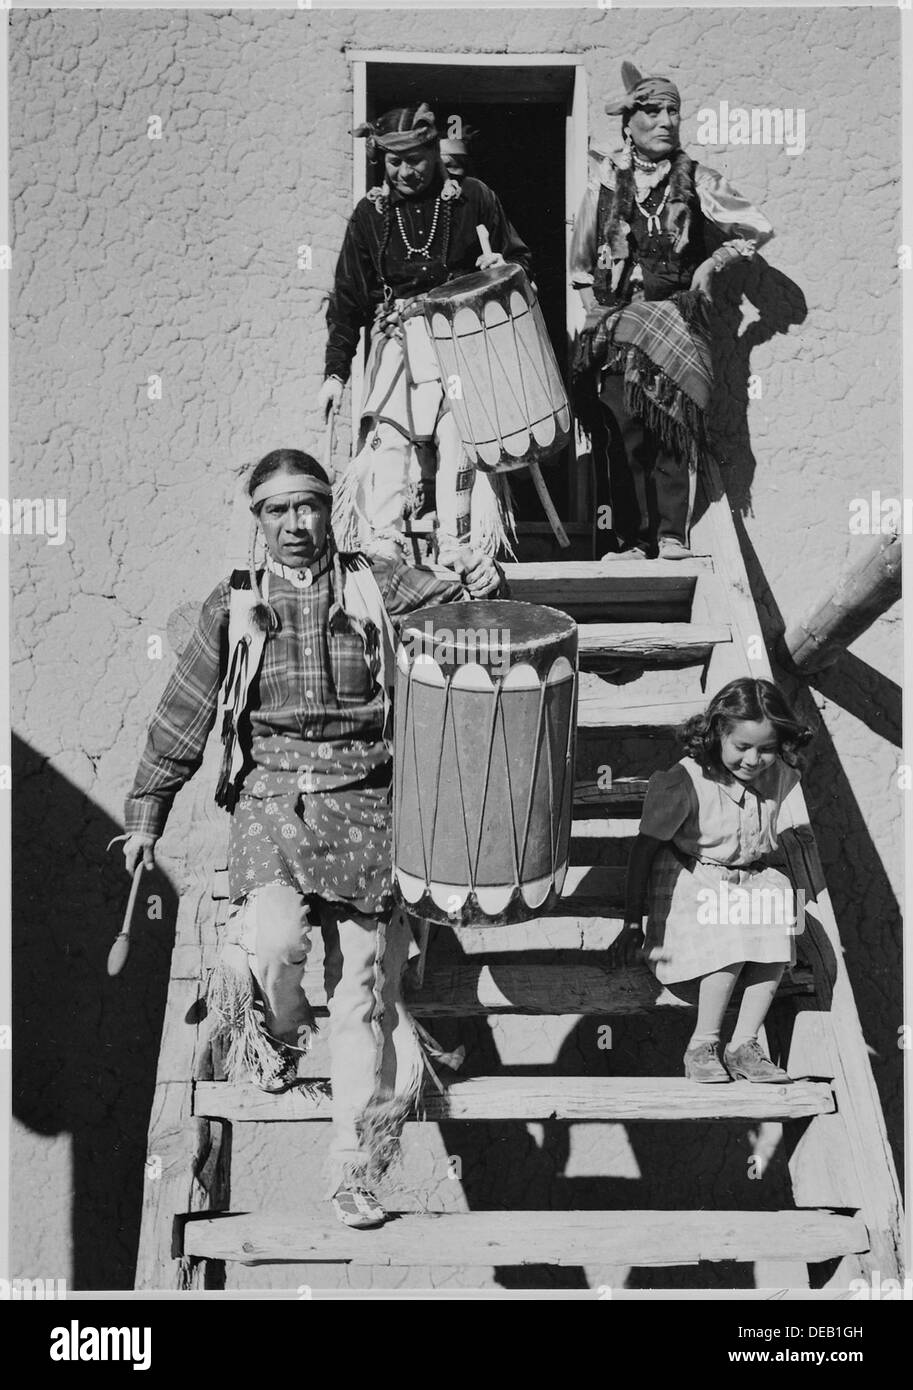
x: 177, y: 257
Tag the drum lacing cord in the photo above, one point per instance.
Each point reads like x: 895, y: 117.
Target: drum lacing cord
x: 519, y: 851
x: 570, y: 757
x: 465, y: 374
x: 471, y: 867
x: 437, y: 779
x: 474, y: 868
x: 543, y: 383
x: 397, y: 801
x: 540, y: 725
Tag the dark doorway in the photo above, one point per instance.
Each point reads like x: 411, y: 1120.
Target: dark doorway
x: 520, y: 115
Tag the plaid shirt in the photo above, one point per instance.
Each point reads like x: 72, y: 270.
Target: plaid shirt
x: 313, y: 687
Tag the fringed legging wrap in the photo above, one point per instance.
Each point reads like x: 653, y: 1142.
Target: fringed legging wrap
x: 380, y: 1059
x: 409, y: 432
x: 372, y: 496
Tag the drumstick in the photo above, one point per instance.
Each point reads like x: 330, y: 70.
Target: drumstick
x: 484, y: 238
x: 548, y: 505
x: 117, y: 956
x: 328, y: 443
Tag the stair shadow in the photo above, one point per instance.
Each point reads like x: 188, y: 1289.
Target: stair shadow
x: 674, y: 1164
x: 86, y: 1045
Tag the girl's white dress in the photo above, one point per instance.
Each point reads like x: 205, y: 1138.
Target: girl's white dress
x: 713, y: 900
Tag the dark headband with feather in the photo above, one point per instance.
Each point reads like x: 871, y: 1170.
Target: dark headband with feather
x: 639, y: 90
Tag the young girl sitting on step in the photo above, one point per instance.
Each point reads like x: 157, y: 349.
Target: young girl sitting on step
x: 716, y: 909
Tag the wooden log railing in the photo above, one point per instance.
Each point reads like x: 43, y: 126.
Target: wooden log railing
x: 862, y: 593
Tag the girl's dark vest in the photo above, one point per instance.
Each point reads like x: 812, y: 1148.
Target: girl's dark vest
x: 664, y: 271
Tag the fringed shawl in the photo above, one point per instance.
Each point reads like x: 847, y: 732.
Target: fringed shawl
x: 663, y: 349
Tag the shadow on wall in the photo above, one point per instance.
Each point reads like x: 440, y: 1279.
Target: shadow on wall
x: 86, y: 1045
x: 865, y: 904
x: 780, y: 304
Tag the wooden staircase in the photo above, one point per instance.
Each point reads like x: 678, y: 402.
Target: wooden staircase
x: 656, y: 640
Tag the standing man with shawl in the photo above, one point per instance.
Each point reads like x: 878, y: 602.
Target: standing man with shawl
x: 296, y: 659
x: 409, y: 235
x: 650, y: 237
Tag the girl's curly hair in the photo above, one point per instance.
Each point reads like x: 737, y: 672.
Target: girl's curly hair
x: 749, y: 699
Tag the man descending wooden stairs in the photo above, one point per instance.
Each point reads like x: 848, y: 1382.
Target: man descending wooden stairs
x: 657, y: 639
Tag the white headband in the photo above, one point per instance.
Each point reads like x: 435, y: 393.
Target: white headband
x: 286, y: 485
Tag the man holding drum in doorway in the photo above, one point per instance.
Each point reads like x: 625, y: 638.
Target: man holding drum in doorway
x: 409, y: 235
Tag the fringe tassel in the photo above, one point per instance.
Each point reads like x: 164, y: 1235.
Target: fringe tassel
x: 492, y: 514
x: 226, y: 791
x: 346, y: 519
x: 262, y: 615
x: 230, y: 999
x: 339, y: 619
x: 237, y: 1016
x: 662, y: 405
x: 381, y: 1123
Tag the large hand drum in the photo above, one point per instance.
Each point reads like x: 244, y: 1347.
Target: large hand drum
x: 485, y: 723
x: 509, y: 403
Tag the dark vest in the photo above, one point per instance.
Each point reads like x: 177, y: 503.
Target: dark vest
x: 664, y: 271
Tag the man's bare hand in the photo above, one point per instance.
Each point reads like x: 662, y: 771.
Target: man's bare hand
x: 489, y: 260
x: 137, y: 847
x: 481, y: 576
x: 702, y: 279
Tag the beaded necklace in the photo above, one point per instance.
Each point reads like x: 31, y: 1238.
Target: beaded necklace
x: 419, y: 250
x: 654, y: 226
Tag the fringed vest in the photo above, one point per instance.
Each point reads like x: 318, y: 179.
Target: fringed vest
x: 665, y: 271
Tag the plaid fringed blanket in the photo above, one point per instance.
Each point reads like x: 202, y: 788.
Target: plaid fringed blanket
x: 663, y: 348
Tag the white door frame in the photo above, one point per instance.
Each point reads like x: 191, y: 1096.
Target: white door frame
x: 575, y: 165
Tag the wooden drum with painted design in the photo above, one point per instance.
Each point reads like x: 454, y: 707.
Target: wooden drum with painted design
x: 485, y: 725
x: 498, y: 368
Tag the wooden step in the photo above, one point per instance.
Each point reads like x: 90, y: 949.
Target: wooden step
x: 620, y: 591
x: 490, y: 1238
x: 601, y: 706
x: 515, y: 984
x: 622, y: 795
x: 601, y: 844
x: 573, y: 1098
x: 653, y: 642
